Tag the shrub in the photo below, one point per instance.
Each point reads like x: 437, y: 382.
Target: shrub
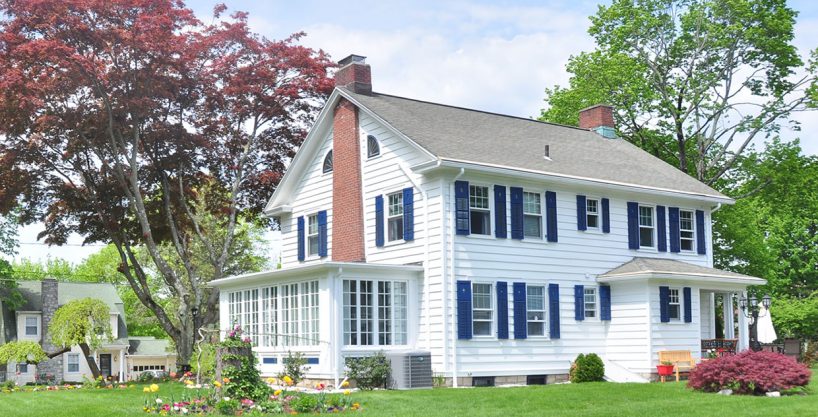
x: 305, y: 403
x: 245, y: 380
x: 749, y: 372
x: 587, y: 368
x: 370, y: 372
x: 295, y: 366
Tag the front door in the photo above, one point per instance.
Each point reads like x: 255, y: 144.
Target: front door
x: 105, y: 364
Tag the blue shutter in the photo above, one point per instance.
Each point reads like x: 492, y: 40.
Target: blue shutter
x: 379, y: 221
x: 301, y: 251
x: 464, y: 319
x: 551, y: 214
x: 502, y: 310
x: 322, y: 233
x: 579, y: 302
x: 554, y: 310
x: 605, y: 302
x: 408, y: 214
x: 461, y: 203
x: 664, y: 304
x: 700, y: 245
x: 520, y: 313
x: 582, y: 219
x: 516, y: 212
x: 661, y: 235
x: 687, y: 305
x: 633, y: 225
x: 500, y: 211
x: 606, y: 215
x: 673, y: 217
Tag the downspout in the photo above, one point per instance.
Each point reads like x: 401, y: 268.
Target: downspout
x: 337, y: 335
x: 447, y: 297
x: 715, y: 209
x: 426, y: 240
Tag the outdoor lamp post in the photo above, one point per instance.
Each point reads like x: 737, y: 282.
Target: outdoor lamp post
x: 752, y: 310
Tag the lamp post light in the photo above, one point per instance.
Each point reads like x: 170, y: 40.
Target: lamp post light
x: 752, y: 310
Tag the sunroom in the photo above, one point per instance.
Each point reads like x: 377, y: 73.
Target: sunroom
x: 325, y: 311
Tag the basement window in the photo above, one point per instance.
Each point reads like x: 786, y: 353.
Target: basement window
x: 535, y: 379
x: 482, y: 381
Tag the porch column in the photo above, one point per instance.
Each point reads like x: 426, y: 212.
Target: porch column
x: 728, y: 311
x: 743, y: 336
x: 122, y: 365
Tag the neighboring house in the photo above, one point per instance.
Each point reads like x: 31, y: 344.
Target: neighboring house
x: 504, y: 246
x: 116, y: 359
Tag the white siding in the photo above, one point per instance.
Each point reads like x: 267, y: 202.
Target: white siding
x: 628, y: 335
x: 313, y: 194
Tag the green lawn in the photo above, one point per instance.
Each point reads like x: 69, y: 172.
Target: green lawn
x: 594, y: 399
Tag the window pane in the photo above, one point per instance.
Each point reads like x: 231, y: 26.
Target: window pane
x: 531, y: 203
x: 480, y: 222
x: 367, y: 313
x: 395, y: 204
x: 313, y: 225
x: 313, y: 245
x: 482, y: 328
x: 532, y: 226
x: 478, y: 197
x: 536, y: 328
x: 395, y: 227
x: 400, y: 314
x: 645, y: 216
x: 674, y: 311
x: 591, y: 206
x: 645, y: 237
x: 384, y: 313
x: 535, y: 298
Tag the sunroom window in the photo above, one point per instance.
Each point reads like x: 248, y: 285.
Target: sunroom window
x: 375, y: 312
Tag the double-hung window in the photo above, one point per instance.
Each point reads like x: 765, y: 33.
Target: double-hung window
x: 532, y: 215
x: 73, y: 362
x: 674, y: 304
x: 31, y: 326
x: 592, y: 213
x: 394, y: 219
x: 535, y: 310
x: 482, y: 313
x: 375, y: 312
x: 686, y: 230
x: 589, y: 302
x: 646, y: 226
x: 479, y: 210
x: 312, y: 235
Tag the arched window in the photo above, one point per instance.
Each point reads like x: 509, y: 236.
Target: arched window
x: 328, y: 162
x: 372, y: 147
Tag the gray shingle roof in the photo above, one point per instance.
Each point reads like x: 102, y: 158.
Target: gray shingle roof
x: 67, y: 291
x: 640, y: 265
x: 487, y: 138
x: 149, y: 346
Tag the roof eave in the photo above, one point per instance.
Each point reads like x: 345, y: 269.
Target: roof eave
x: 303, y: 270
x: 686, y: 277
x: 565, y: 179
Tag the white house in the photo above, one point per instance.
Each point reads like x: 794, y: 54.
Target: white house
x: 504, y: 246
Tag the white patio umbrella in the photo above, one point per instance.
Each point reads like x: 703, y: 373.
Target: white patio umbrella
x: 765, y: 329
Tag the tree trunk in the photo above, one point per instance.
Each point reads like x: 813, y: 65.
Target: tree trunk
x: 92, y: 365
x: 58, y: 353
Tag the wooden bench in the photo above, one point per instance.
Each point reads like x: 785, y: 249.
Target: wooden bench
x: 681, y: 360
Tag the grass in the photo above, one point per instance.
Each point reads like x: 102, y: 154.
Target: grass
x: 592, y: 399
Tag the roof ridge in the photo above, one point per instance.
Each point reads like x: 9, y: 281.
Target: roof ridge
x: 529, y: 119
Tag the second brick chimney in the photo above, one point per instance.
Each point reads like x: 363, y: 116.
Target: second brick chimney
x: 598, y: 118
x: 347, y: 196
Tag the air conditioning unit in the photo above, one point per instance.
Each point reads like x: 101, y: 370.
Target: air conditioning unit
x: 411, y: 370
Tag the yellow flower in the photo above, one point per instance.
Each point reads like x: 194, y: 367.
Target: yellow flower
x: 288, y: 380
x: 154, y: 388
x: 344, y: 384
x: 271, y: 381
x: 146, y: 389
x: 346, y: 392
x: 188, y: 382
x: 277, y: 393
x: 217, y: 384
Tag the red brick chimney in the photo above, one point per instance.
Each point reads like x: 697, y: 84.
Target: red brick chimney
x: 347, y: 197
x: 598, y: 118
x: 354, y: 74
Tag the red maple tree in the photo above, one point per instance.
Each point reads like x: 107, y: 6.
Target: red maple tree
x: 115, y: 115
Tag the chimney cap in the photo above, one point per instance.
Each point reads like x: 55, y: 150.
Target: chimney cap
x: 597, y: 105
x: 352, y: 59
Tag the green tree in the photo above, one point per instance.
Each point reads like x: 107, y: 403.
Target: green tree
x: 85, y: 323
x: 695, y: 82
x: 9, y: 295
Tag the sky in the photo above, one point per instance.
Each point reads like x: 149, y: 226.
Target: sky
x: 495, y: 56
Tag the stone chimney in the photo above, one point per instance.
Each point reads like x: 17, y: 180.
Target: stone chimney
x: 355, y: 75
x: 598, y: 118
x: 50, y: 299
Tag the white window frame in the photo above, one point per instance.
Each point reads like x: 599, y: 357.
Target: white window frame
x: 652, y: 227
x: 491, y: 309
x: 593, y: 302
x: 315, y: 233
x: 543, y: 319
x: 679, y: 302
x: 589, y: 214
x: 69, y: 362
x: 489, y: 210
x: 398, y: 216
x: 691, y: 231
x: 324, y: 163
x: 396, y: 306
x: 26, y: 325
x: 530, y: 214
x: 369, y: 154
x: 23, y: 368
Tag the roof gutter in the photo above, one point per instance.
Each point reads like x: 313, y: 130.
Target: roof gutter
x: 564, y: 179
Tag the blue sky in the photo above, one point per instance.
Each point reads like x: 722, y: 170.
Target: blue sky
x: 494, y: 56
